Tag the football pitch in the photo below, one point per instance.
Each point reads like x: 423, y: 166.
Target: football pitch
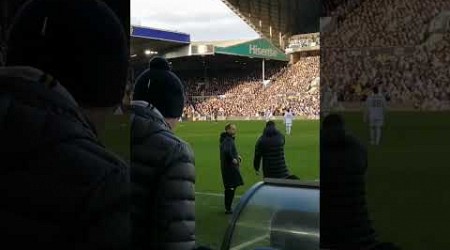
x: 302, y: 157
x: 407, y: 179
x: 301, y: 150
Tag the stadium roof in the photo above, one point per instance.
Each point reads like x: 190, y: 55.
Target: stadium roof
x: 256, y: 48
x: 146, y: 40
x: 225, y: 43
x: 328, y: 6
x: 277, y: 20
x: 196, y: 65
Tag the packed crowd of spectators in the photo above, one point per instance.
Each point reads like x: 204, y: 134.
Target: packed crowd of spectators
x: 371, y: 24
x: 294, y: 87
x: 411, y: 69
x: 219, y: 84
x: 417, y: 77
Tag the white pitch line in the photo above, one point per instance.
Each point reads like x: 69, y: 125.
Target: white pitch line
x: 214, y: 194
x: 249, y: 243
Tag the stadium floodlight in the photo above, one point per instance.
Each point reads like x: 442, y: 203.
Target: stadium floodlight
x: 150, y: 52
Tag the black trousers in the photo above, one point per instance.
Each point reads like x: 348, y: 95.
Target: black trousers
x: 229, y: 196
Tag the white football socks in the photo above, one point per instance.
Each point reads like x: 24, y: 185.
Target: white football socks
x: 378, y: 137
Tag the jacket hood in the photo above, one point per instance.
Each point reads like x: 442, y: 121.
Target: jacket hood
x: 34, y: 75
x: 271, y: 131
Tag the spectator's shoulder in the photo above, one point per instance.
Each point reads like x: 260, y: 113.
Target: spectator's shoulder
x: 95, y: 158
x: 281, y: 135
x: 143, y: 76
x: 181, y: 151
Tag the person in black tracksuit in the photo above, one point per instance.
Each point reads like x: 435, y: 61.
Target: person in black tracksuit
x: 270, y: 148
x: 229, y: 165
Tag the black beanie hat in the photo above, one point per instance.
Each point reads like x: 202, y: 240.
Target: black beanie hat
x: 162, y: 88
x: 159, y: 63
x: 81, y: 43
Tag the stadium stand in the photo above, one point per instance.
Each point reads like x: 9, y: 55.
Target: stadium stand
x: 219, y: 84
x: 369, y: 24
x: 402, y: 87
x: 290, y: 87
x: 278, y: 20
x: 410, y: 68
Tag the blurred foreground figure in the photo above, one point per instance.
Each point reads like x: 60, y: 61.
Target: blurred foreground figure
x: 66, y: 70
x: 344, y: 217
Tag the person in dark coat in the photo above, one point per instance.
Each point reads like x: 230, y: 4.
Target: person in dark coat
x: 60, y: 187
x: 229, y: 165
x: 344, y: 217
x: 270, y: 149
x: 162, y: 165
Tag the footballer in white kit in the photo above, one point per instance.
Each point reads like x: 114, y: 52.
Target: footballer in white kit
x: 374, y: 112
x: 288, y: 118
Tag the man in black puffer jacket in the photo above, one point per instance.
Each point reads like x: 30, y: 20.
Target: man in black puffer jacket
x: 60, y: 187
x: 270, y: 148
x: 163, y: 173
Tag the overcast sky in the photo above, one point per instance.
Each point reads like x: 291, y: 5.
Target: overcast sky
x: 204, y: 20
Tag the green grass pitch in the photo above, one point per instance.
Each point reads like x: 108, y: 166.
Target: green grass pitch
x: 301, y: 150
x: 407, y: 179
x: 302, y: 157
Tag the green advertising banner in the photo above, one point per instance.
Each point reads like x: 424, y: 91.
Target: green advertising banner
x: 259, y: 48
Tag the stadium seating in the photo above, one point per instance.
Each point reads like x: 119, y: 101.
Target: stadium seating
x: 404, y: 58
x: 371, y: 23
x: 415, y: 78
x: 289, y: 87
